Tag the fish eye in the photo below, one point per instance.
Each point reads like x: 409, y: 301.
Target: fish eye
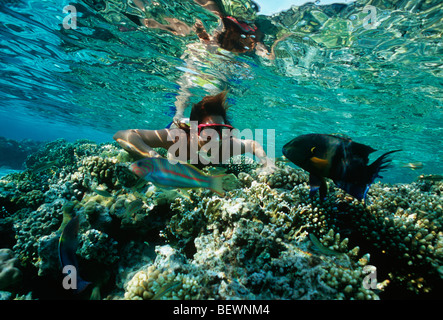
x: 312, y: 149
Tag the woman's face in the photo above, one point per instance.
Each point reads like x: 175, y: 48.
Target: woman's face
x: 246, y: 42
x: 208, y: 133
x: 236, y: 40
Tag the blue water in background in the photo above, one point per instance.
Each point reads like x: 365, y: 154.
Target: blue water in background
x: 382, y: 86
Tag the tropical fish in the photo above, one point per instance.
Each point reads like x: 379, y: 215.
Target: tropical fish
x: 165, y: 289
x: 320, y: 247
x: 413, y: 165
x: 180, y: 175
x: 67, y: 247
x: 140, y: 183
x: 43, y: 166
x: 431, y: 177
x: 337, y: 158
x: 102, y: 192
x: 67, y: 214
x: 133, y: 207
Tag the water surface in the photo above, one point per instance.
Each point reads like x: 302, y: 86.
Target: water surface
x: 381, y: 86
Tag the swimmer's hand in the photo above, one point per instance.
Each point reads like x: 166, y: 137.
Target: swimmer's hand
x: 151, y: 154
x: 200, y: 30
x: 267, y: 168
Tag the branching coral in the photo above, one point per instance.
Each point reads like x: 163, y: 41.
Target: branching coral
x: 265, y: 239
x: 401, y: 229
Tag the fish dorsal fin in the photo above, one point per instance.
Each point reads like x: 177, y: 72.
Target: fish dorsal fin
x: 361, y: 150
x: 341, y: 136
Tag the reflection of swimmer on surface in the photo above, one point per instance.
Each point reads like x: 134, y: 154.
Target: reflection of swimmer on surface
x: 212, y: 127
x: 174, y: 25
x: 237, y: 32
x: 210, y: 63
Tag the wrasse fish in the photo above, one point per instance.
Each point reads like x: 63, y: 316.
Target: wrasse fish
x: 320, y: 247
x: 180, y: 175
x: 102, y: 192
x: 413, y: 165
x: 337, y: 158
x: 41, y: 167
x: 133, y: 207
x: 431, y: 177
x: 167, y: 288
x: 67, y: 247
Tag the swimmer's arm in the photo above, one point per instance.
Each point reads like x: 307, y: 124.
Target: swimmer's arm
x: 250, y: 146
x: 210, y: 5
x: 261, y: 49
x: 255, y: 148
x: 201, y: 31
x: 141, y: 142
x: 268, y: 166
x: 263, y: 52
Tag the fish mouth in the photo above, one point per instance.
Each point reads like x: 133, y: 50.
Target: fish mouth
x: 284, y: 152
x: 286, y: 149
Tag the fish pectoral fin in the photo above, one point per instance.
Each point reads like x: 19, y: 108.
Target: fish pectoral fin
x: 318, y: 183
x: 81, y: 285
x: 319, y: 163
x: 217, y: 184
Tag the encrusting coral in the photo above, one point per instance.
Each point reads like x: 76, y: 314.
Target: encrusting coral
x: 265, y: 239
x: 10, y: 274
x: 166, y: 278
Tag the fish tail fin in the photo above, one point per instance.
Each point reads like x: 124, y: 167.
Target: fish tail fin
x: 359, y: 188
x: 217, y: 185
x: 81, y: 285
x: 379, y: 165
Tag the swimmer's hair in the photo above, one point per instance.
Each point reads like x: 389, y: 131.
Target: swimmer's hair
x: 210, y: 106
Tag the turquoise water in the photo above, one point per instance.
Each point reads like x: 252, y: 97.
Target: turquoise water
x: 380, y: 86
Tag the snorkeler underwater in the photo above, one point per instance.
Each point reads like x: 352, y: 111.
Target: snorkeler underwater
x: 221, y: 150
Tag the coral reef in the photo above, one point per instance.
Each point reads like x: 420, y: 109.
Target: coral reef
x: 10, y: 274
x: 13, y: 153
x: 167, y: 278
x: 265, y: 239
